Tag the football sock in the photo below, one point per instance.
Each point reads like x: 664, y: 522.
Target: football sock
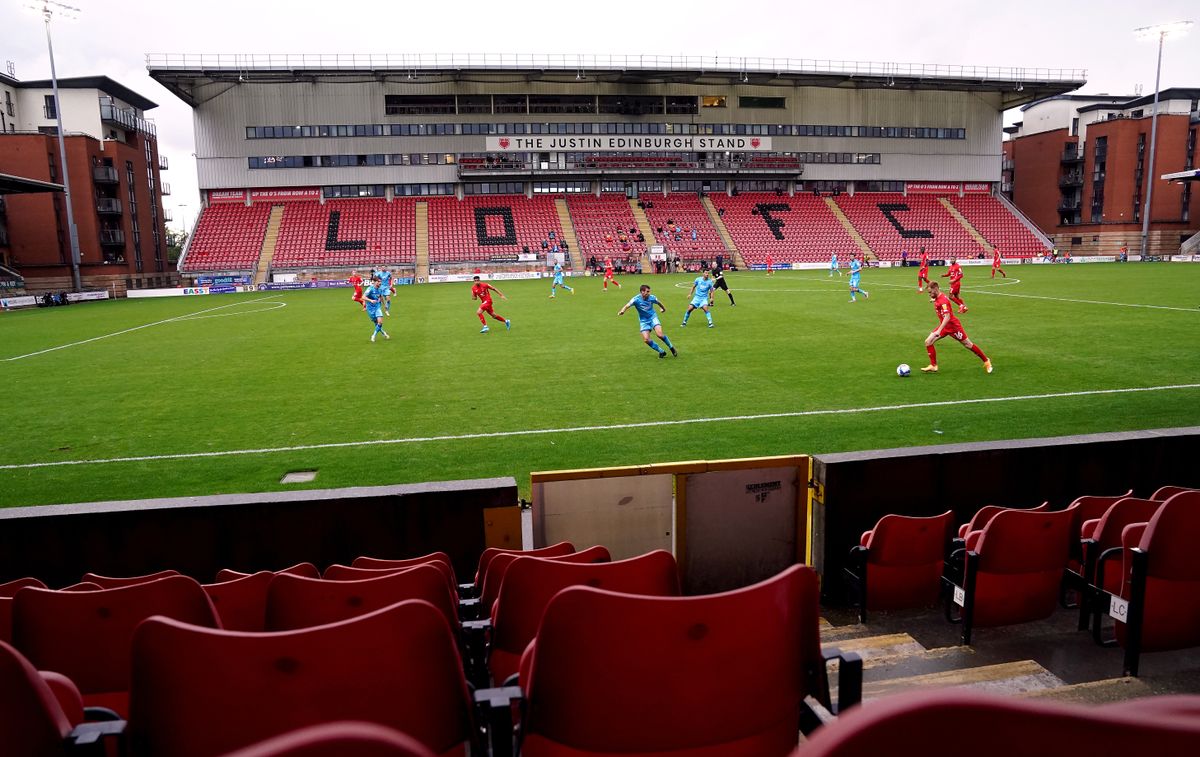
x: 667, y: 341
x: 731, y: 302
x: 979, y: 352
x: 708, y: 315
x: 569, y: 289
x: 482, y: 319
x: 932, y: 354
x: 686, y: 315
x: 956, y: 299
x: 498, y: 317
x: 653, y: 346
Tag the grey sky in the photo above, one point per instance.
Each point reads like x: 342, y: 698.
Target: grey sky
x: 112, y: 39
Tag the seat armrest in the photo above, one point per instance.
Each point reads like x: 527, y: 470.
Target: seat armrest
x: 850, y: 669
x: 87, y: 735
x: 1086, y: 531
x: 468, y: 609
x: 494, y: 707
x: 100, y: 715
x: 813, y: 715
x: 466, y: 591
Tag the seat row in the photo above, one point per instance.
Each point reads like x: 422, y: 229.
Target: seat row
x: 1122, y: 556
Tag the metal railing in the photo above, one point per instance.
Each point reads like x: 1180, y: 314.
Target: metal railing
x: 1071, y: 180
x: 108, y: 205
x: 112, y: 237
x: 165, y: 189
x: 127, y: 119
x: 583, y: 62
x: 1071, y: 155
x: 163, y: 165
x: 624, y: 166
x: 105, y: 174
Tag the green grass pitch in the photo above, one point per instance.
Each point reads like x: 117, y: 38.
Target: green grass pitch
x: 285, y: 371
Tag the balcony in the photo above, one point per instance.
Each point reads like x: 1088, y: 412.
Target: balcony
x: 112, y: 238
x: 1069, y: 206
x: 1194, y: 117
x: 165, y: 188
x: 1007, y: 164
x: 1071, y: 180
x: 126, y: 119
x: 108, y: 206
x: 105, y: 175
x: 1072, y: 156
x: 168, y: 216
x: 162, y: 163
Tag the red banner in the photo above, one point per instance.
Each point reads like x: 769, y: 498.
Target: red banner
x: 932, y: 189
x: 226, y: 195
x: 977, y: 188
x: 307, y: 193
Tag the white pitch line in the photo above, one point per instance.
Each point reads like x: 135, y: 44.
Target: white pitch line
x: 139, y: 328
x: 610, y: 427
x: 1081, y: 302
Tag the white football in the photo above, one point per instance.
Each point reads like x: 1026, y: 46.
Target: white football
x: 903, y: 370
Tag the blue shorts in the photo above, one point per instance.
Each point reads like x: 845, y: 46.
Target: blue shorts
x: 558, y: 281
x: 700, y: 302
x: 854, y: 277
x: 374, y: 313
x: 650, y: 323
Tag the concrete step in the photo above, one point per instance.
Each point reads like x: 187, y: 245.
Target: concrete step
x: 837, y: 633
x: 1096, y: 692
x: 880, y: 647
x: 1008, y: 678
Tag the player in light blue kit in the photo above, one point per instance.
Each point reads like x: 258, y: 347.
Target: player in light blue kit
x: 855, y: 275
x: 373, y: 298
x: 644, y: 303
x: 385, y: 289
x: 833, y: 265
x: 558, y: 280
x: 701, y: 293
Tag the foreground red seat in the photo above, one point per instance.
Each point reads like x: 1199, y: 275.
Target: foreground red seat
x: 716, y: 674
x: 1011, y: 571
x: 199, y: 692
x: 531, y: 583
x: 998, y: 726
x: 306, y: 569
x: 241, y: 603
x: 295, y: 602
x: 85, y: 635
x: 898, y: 564
x: 1158, y: 608
x: 342, y: 739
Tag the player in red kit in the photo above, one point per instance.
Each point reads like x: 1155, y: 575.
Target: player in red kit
x: 948, y: 326
x: 996, y: 263
x: 608, y: 274
x: 482, y: 291
x: 923, y: 273
x: 356, y: 281
x: 956, y: 276
x: 770, y: 262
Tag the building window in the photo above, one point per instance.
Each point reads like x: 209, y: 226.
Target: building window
x: 713, y: 101
x: 48, y: 108
x: 422, y: 190
x: 354, y: 190
x: 762, y: 102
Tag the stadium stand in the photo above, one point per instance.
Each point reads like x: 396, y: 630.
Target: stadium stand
x: 891, y: 222
x: 685, y: 212
x: 228, y: 237
x: 999, y: 226
x: 798, y: 229
x: 342, y: 233
x: 487, y: 228
x: 599, y: 222
x: 899, y: 563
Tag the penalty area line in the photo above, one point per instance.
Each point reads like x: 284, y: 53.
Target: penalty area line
x: 608, y: 427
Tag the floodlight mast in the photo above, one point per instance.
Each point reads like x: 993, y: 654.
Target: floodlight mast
x: 1161, y: 32
x: 48, y: 8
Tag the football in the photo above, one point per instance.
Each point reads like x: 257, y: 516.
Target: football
x: 903, y: 370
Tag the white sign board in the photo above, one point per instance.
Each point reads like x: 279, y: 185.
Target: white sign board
x: 1118, y: 609
x: 626, y: 143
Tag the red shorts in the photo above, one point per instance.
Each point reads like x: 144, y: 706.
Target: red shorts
x: 486, y: 306
x: 923, y: 274
x: 955, y: 287
x: 608, y: 273
x: 954, y: 330
x: 358, y: 295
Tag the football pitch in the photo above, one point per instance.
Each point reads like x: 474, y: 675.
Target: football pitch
x: 203, y: 395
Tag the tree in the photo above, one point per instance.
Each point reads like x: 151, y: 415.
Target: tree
x: 175, y: 242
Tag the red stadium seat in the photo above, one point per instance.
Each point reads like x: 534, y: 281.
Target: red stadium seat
x: 241, y: 603
x: 305, y: 569
x: 1160, y: 581
x: 499, y: 565
x: 706, y: 675
x: 984, y: 515
x: 369, y: 231
x: 85, y: 635
x: 799, y: 229
x: 1011, y: 570
x: 12, y: 587
x: 888, y: 221
x: 6, y: 593
x: 294, y: 602
x: 342, y: 739
x: 227, y: 237
x: 199, y: 692
x: 110, y: 582
x: 685, y: 211
x: 898, y: 564
x: 999, y: 226
x: 485, y: 558
x: 458, y: 233
x: 599, y: 223
x: 1166, y: 492
x: 996, y: 726
x: 1104, y: 536
x: 377, y: 564
x: 347, y: 573
x: 36, y: 720
x: 531, y: 583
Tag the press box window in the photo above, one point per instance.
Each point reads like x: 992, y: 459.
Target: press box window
x: 761, y: 102
x: 713, y: 101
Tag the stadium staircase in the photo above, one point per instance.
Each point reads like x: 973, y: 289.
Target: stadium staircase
x: 895, y: 662
x: 1191, y: 246
x: 726, y: 237
x: 568, y: 231
x: 1046, y: 241
x: 644, y: 226
x: 422, y: 241
x: 867, y: 252
x: 270, y: 241
x: 953, y: 211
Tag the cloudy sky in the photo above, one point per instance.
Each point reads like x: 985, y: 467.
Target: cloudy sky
x: 112, y: 39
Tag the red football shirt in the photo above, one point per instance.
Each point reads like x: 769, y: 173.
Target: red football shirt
x: 481, y: 292
x: 924, y: 263
x: 995, y: 257
x: 356, y: 282
x: 942, y: 308
x: 955, y: 273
